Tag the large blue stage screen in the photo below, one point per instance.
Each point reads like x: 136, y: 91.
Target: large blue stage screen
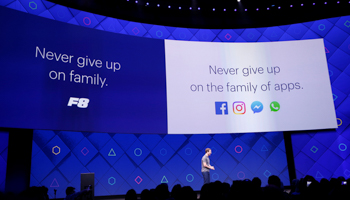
x: 65, y: 77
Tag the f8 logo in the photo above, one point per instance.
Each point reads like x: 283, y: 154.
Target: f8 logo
x: 80, y: 102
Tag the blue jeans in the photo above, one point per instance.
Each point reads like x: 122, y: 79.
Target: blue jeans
x: 206, y: 176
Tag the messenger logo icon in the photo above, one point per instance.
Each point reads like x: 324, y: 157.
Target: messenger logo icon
x: 257, y: 107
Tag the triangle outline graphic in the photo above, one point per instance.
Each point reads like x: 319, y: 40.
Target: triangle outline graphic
x: 327, y: 51
x: 264, y: 148
x: 112, y: 153
x: 54, y: 183
x: 164, y: 180
x: 319, y: 175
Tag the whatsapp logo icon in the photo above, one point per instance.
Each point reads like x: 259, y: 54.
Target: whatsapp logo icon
x: 275, y: 106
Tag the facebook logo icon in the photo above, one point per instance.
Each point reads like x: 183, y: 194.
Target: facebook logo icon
x: 221, y: 108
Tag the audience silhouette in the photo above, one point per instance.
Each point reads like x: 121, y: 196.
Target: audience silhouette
x: 131, y: 195
x: 301, y: 189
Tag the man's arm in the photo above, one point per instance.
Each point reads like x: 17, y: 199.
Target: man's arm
x: 208, y: 166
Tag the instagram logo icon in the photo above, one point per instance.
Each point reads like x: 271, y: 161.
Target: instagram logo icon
x: 239, y: 107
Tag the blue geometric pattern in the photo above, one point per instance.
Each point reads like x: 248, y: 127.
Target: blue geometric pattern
x: 311, y: 150
x: 142, y: 163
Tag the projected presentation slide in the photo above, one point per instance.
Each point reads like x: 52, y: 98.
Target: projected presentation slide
x: 248, y: 87
x: 124, y: 161
x: 58, y: 76
x: 64, y: 77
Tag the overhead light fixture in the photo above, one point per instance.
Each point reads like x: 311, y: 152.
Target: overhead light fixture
x: 238, y: 1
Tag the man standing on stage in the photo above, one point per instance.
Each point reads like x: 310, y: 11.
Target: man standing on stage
x: 206, y: 167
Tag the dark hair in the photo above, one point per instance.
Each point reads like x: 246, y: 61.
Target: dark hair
x: 70, y: 190
x: 274, y: 180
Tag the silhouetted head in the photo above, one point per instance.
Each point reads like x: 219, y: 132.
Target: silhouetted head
x: 274, y: 180
x: 145, y: 194
x: 131, y: 195
x: 256, y: 182
x: 70, y: 190
x: 187, y: 193
x: 175, y: 192
x: 162, y: 191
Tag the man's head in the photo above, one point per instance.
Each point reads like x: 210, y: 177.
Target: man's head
x: 208, y: 151
x: 70, y: 190
x: 274, y: 180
